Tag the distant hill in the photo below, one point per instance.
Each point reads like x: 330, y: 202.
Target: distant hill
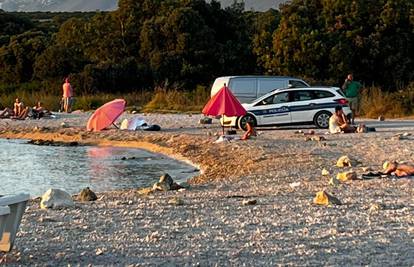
x: 58, y: 5
x: 105, y: 5
x: 258, y: 5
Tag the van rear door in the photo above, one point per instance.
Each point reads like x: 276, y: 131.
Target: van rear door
x: 244, y: 88
x: 265, y: 85
x: 218, y: 84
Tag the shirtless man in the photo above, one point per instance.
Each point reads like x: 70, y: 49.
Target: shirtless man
x: 67, y: 96
x: 338, y: 122
x: 18, y: 107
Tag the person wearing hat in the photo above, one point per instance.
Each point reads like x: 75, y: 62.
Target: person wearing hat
x: 67, y: 96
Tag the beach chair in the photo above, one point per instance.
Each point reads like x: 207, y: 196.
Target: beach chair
x: 4, y: 212
x: 17, y: 205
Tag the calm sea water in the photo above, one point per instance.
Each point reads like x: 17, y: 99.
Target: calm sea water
x: 35, y: 169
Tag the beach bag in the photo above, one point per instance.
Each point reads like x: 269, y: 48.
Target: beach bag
x: 153, y: 128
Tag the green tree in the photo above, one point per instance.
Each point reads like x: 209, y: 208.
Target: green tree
x: 18, y: 57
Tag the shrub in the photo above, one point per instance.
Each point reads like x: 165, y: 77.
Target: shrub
x: 376, y: 102
x: 174, y: 100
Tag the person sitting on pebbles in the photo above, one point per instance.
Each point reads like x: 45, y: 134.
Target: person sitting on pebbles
x: 18, y: 110
x: 249, y: 132
x: 39, y: 111
x: 18, y: 107
x: 339, y: 124
x: 399, y: 169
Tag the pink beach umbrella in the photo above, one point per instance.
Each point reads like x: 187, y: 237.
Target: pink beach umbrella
x: 104, y: 116
x: 224, y: 103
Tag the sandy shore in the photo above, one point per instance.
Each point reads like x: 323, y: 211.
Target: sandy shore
x: 213, y: 227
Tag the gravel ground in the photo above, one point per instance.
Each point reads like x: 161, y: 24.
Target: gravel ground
x: 374, y: 226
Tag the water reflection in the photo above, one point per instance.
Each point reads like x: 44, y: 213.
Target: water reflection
x: 34, y: 169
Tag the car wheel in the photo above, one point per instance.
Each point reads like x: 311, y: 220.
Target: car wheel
x: 321, y: 119
x: 236, y: 125
x: 248, y: 118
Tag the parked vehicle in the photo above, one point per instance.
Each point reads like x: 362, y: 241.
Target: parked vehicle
x: 249, y: 88
x: 309, y: 105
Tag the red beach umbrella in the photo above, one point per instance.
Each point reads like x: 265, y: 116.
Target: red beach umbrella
x: 224, y: 103
x: 104, y: 116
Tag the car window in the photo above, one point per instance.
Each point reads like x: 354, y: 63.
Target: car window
x: 281, y: 98
x: 322, y: 94
x: 266, y: 101
x: 302, y: 95
x: 339, y: 91
x: 296, y: 84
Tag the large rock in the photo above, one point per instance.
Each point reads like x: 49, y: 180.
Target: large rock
x: 346, y: 176
x: 87, y: 195
x: 205, y: 120
x: 56, y: 199
x: 166, y: 183
x: 345, y: 161
x: 167, y: 180
x: 325, y: 199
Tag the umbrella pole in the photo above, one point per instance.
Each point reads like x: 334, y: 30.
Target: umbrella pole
x: 116, y: 126
x: 222, y: 123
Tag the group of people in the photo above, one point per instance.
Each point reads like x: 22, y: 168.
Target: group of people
x: 338, y: 122
x: 21, y: 112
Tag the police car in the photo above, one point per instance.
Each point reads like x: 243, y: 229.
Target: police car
x: 310, y: 105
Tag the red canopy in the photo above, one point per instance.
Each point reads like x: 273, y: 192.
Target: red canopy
x: 106, y: 115
x: 224, y: 103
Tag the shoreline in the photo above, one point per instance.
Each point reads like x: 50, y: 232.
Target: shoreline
x: 148, y: 146
x: 279, y: 169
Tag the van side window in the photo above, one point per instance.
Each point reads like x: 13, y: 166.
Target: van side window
x: 265, y: 85
x: 244, y: 86
x: 296, y: 84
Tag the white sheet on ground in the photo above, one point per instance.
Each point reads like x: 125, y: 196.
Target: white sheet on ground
x: 133, y: 123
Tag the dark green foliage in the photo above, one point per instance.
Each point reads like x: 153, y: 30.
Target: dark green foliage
x: 185, y: 43
x: 326, y: 39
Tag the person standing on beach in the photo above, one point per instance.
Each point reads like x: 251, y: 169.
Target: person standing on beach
x: 67, y: 96
x: 351, y: 89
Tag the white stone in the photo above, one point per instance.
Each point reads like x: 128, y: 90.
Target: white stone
x: 56, y: 199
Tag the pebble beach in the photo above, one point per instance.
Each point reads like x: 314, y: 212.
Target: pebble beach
x: 250, y: 205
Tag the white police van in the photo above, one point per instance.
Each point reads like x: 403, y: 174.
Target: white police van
x: 249, y: 88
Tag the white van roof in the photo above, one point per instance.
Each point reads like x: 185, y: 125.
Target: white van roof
x: 258, y: 76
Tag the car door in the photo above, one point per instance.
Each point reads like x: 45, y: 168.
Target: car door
x: 273, y: 110
x: 302, y: 106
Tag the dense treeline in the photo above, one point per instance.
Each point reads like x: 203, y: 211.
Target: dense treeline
x: 184, y: 43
